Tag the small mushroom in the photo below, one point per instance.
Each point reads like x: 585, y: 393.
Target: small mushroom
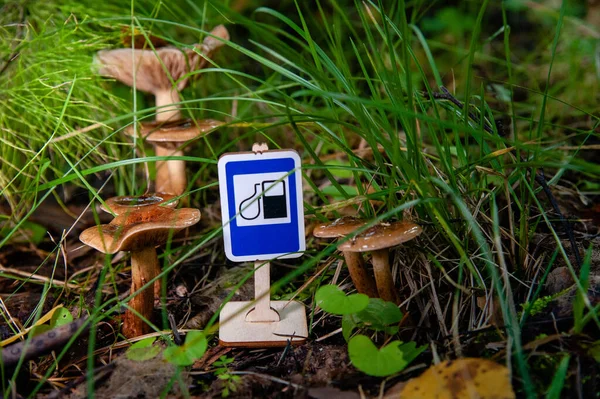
x: 377, y: 240
x: 139, y: 232
x: 161, y: 72
x: 168, y: 139
x: 356, y: 266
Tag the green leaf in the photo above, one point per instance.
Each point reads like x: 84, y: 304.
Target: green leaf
x: 37, y: 330
x: 142, y: 350
x: 60, y: 317
x: 178, y: 356
x: 388, y: 360
x: 38, y: 232
x: 196, y: 344
x: 349, y: 323
x: 194, y: 348
x: 333, y: 300
x: 379, y: 315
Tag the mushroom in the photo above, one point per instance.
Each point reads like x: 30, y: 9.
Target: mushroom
x: 139, y: 232
x: 168, y: 139
x: 162, y: 71
x: 377, y: 240
x: 356, y: 266
x: 126, y: 204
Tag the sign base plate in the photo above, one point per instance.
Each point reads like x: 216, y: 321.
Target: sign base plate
x: 235, y: 331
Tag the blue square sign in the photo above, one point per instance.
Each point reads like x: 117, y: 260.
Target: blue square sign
x: 261, y: 205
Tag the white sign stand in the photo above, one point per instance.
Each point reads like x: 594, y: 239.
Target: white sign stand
x: 262, y: 323
x: 262, y: 311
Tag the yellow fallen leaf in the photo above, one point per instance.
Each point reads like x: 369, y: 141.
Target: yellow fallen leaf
x: 44, y: 319
x: 468, y: 378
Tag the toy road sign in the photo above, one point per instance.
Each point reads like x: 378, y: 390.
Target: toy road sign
x: 261, y: 205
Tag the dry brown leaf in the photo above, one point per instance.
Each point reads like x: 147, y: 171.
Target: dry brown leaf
x: 492, y: 310
x: 469, y: 378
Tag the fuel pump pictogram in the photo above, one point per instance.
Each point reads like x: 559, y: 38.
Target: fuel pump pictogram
x: 263, y: 200
x: 268, y: 201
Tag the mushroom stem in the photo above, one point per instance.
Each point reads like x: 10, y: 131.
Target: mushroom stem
x: 154, y: 270
x: 144, y: 263
x: 170, y: 175
x: 383, y: 276
x: 167, y: 105
x: 359, y: 275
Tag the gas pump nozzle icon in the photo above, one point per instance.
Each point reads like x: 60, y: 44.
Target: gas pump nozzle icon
x: 269, y: 200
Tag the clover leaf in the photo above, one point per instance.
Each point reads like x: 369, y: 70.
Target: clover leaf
x: 142, y: 350
x: 193, y: 348
x: 333, y: 300
x: 379, y: 315
x: 388, y: 360
x: 60, y: 317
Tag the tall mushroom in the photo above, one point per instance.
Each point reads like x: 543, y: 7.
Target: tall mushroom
x: 356, y: 266
x: 378, y: 240
x: 139, y: 232
x: 168, y: 139
x: 161, y: 72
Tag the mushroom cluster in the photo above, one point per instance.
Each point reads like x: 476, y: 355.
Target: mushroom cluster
x: 378, y: 240
x: 164, y: 72
x: 356, y: 265
x: 144, y: 222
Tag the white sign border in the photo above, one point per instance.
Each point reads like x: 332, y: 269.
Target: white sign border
x: 223, y: 191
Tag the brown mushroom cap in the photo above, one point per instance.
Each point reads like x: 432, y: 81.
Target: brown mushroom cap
x: 139, y: 229
x: 339, y: 228
x: 382, y: 235
x: 150, y: 75
x: 172, y: 134
x: 127, y: 203
x: 156, y: 70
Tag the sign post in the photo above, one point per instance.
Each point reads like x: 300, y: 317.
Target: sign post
x: 263, y: 219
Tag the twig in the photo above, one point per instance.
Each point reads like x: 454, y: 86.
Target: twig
x: 285, y: 352
x: 324, y: 337
x: 41, y: 344
x: 176, y: 336
x: 43, y: 279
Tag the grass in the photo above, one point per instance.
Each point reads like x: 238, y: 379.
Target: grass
x: 326, y: 80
